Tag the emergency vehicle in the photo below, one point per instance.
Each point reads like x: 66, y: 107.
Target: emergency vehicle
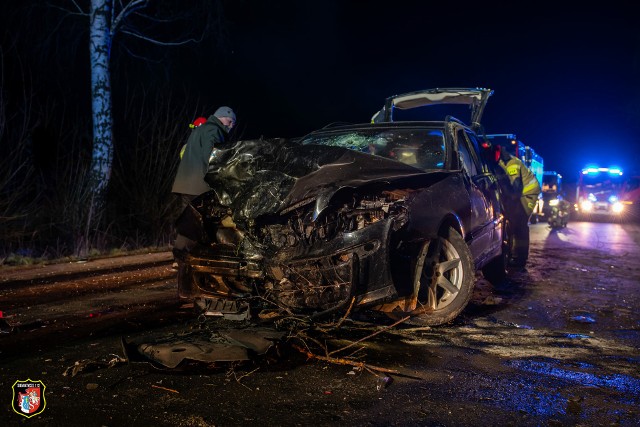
x: 598, y: 193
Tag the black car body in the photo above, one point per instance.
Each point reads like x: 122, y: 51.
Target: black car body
x: 392, y: 216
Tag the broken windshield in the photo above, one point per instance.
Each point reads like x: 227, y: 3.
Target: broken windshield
x: 421, y: 148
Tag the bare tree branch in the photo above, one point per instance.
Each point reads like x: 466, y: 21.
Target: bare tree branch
x: 161, y: 43
x: 404, y: 319
x: 119, y: 18
x: 79, y: 12
x: 339, y: 361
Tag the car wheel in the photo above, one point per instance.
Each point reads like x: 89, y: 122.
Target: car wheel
x: 445, y: 272
x: 496, y: 270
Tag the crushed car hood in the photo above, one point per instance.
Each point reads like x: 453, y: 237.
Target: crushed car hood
x: 258, y: 177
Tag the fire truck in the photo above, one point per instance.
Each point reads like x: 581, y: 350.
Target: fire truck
x: 598, y: 193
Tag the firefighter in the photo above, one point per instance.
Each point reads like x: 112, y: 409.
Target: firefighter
x: 195, y: 124
x: 520, y: 190
x: 194, y: 160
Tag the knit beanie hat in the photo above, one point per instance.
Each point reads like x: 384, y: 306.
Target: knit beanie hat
x: 225, y: 112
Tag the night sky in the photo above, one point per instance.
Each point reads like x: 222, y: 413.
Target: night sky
x: 566, y: 81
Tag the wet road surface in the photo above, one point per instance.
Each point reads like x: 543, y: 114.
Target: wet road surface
x: 559, y: 344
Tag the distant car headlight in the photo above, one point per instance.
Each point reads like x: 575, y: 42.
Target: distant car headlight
x: 586, y: 206
x: 554, y: 202
x: 617, y: 207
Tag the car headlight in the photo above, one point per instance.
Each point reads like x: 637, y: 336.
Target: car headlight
x: 617, y: 207
x: 586, y: 206
x: 553, y: 202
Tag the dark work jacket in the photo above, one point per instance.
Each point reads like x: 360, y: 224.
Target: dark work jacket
x: 195, y: 160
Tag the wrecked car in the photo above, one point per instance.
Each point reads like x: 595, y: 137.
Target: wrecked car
x: 391, y: 216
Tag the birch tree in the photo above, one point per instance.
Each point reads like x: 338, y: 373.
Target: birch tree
x: 100, y: 39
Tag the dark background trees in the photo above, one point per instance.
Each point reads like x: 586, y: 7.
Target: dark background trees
x: 47, y: 142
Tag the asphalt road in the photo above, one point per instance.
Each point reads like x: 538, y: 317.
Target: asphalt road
x: 557, y: 345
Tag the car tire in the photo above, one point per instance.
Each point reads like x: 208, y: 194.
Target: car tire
x: 445, y: 271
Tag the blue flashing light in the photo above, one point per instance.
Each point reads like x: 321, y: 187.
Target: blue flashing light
x: 613, y: 199
x: 593, y: 170
x: 615, y: 171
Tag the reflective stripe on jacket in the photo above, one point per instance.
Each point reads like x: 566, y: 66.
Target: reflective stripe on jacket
x: 521, y: 177
x: 523, y: 182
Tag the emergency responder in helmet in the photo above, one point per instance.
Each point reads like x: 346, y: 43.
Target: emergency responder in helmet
x: 189, y: 181
x: 519, y: 188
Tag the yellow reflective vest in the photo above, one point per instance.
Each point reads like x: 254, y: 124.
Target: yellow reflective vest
x: 523, y: 181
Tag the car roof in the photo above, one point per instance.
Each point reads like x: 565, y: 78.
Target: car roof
x: 404, y: 124
x: 341, y: 127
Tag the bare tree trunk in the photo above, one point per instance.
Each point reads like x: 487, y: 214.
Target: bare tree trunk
x: 99, y: 48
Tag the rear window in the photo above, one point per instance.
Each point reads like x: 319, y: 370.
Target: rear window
x: 422, y: 148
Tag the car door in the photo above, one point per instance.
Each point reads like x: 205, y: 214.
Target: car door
x: 481, y: 232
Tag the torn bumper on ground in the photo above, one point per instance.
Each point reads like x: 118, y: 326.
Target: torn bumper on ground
x: 201, y: 347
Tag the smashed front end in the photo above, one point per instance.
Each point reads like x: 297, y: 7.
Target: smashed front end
x: 292, y: 260
x: 284, y: 226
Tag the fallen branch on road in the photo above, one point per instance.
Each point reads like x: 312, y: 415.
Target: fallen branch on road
x: 164, y: 388
x: 386, y: 328
x: 339, y: 361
